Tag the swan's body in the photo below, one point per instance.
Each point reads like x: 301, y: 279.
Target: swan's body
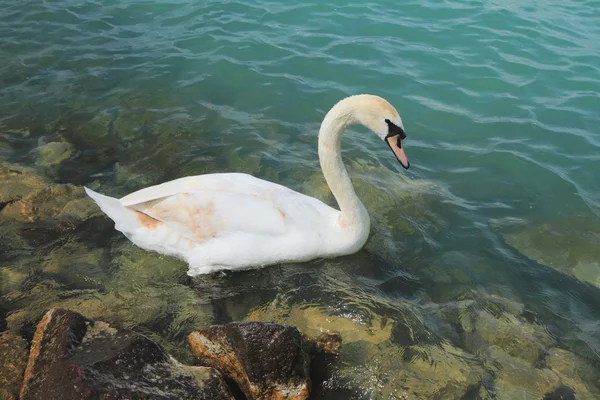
x: 235, y: 221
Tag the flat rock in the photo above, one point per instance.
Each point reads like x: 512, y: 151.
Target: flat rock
x: 78, y: 358
x: 266, y: 360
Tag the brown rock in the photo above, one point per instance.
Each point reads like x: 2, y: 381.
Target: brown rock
x: 265, y: 359
x: 76, y: 358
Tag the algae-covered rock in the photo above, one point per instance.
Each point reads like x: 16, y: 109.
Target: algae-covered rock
x: 136, y: 267
x: 83, y: 129
x: 384, y: 358
x: 516, y: 338
x: 418, y: 372
x: 266, y: 360
x: 53, y: 153
x: 10, y: 279
x: 314, y: 320
x: 13, y: 353
x: 123, y: 284
x: 519, y: 379
x: 18, y: 181
x: 329, y: 342
x: 574, y: 373
x: 66, y: 203
x: 569, y: 246
x: 77, y: 265
x: 490, y: 320
x: 75, y: 357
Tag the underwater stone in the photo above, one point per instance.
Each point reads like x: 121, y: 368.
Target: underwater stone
x: 52, y: 201
x: 50, y: 210
x: 562, y: 393
x: 53, y: 153
x: 569, y: 246
x: 329, y: 342
x: 10, y: 279
x: 489, y: 320
x: 519, y: 379
x: 75, y: 357
x: 522, y: 340
x: 312, y: 321
x: 574, y: 372
x: 17, y: 181
x: 13, y: 353
x: 266, y: 360
x: 388, y: 371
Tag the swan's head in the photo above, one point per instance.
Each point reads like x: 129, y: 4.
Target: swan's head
x: 382, y: 118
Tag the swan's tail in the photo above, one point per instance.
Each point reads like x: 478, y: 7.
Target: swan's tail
x: 124, y: 218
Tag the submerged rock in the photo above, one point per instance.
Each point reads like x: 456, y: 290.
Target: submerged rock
x: 313, y: 321
x: 16, y: 182
x: 10, y: 280
x: 329, y: 342
x: 13, y: 353
x: 574, y: 373
x: 266, y: 360
x: 75, y: 357
x: 63, y: 203
x: 489, y: 320
x: 569, y: 246
x: 381, y: 358
x: 121, y: 284
x: 417, y: 372
x: 53, y: 153
x: 519, y: 379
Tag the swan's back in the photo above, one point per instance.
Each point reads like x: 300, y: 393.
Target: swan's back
x: 224, y: 221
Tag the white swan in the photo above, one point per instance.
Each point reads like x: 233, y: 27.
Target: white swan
x: 235, y: 221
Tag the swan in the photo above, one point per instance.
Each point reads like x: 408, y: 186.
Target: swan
x: 236, y: 221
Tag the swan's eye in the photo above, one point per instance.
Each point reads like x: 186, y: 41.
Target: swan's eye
x: 394, y: 130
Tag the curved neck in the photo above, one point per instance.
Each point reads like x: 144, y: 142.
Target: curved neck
x: 330, y: 156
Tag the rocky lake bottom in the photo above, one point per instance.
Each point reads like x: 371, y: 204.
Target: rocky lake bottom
x: 58, y: 249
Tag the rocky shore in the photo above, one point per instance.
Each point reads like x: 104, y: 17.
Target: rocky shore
x: 71, y: 356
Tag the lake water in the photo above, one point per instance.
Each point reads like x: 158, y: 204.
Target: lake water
x: 501, y: 205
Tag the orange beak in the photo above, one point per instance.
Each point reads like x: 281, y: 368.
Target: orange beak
x: 395, y: 144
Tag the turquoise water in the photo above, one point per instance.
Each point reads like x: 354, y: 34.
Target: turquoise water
x: 500, y: 101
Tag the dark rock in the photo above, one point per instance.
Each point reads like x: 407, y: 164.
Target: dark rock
x: 75, y: 357
x: 561, y: 393
x: 13, y: 353
x: 266, y: 360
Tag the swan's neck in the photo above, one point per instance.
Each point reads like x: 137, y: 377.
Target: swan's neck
x: 353, y: 213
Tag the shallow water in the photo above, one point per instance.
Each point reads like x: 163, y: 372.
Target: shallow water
x: 500, y: 102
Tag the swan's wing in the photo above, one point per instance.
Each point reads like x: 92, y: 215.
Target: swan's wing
x: 224, y: 182
x: 202, y: 215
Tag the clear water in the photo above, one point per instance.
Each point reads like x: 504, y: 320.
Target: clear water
x: 500, y: 100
